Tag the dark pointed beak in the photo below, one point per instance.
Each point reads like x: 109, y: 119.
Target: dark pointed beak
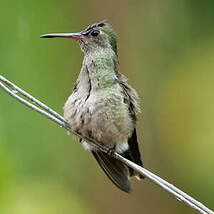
x: 64, y: 35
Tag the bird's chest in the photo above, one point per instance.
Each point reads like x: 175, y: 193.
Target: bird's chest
x: 101, y: 108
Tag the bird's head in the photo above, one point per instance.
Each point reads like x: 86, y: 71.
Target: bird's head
x: 96, y: 36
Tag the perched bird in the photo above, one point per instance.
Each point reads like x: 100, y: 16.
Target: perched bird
x: 103, y: 106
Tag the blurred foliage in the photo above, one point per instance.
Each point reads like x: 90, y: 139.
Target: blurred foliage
x: 165, y: 49
x: 43, y: 198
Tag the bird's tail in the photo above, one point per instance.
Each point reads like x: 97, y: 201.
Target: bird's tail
x: 117, y: 171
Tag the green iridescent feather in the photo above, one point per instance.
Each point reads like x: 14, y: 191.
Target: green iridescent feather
x: 111, y: 35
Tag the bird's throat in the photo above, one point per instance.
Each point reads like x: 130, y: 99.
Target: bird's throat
x: 101, y: 69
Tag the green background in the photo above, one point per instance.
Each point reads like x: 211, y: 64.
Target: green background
x: 166, y: 49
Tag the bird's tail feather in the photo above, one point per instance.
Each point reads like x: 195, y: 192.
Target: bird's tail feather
x: 116, y: 171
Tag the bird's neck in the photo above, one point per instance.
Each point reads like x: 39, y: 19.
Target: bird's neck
x: 99, y: 69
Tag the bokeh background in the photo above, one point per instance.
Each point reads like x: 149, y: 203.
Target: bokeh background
x: 166, y: 49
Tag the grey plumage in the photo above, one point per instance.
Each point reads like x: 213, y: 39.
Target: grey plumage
x: 103, y: 106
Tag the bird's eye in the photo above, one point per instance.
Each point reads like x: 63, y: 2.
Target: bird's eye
x: 95, y: 33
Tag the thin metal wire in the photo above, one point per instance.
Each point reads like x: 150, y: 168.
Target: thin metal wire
x: 31, y: 98
x: 13, y: 91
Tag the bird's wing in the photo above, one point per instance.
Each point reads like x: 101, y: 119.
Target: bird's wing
x: 131, y: 99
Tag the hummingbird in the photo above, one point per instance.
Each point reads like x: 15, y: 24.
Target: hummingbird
x: 102, y: 105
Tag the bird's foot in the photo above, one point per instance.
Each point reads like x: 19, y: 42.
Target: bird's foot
x: 111, y: 151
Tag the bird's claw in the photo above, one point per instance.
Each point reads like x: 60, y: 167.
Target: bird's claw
x: 111, y: 151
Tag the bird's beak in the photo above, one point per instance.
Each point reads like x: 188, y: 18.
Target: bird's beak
x: 64, y: 35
